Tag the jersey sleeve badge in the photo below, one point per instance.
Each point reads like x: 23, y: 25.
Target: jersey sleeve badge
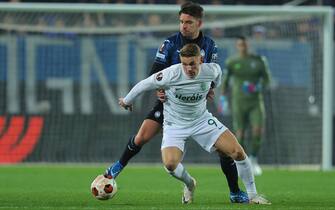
x: 162, y: 52
x: 159, y: 76
x: 162, y: 47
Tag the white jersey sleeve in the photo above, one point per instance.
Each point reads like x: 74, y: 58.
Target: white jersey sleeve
x: 159, y: 80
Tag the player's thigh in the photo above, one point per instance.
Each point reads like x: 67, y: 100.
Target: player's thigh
x: 207, y: 132
x: 257, y: 117
x: 239, y: 116
x: 151, y: 125
x: 147, y: 131
x: 156, y: 113
x: 171, y: 156
x: 228, y: 144
x: 175, y: 137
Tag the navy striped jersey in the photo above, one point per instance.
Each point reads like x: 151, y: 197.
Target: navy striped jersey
x: 168, y: 53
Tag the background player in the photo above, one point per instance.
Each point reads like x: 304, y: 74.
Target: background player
x: 186, y: 115
x: 190, y: 17
x: 250, y: 76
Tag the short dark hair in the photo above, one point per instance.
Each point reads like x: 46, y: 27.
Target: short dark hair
x: 190, y: 50
x: 191, y: 8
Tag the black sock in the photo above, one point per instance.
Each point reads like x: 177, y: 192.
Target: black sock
x: 228, y: 167
x: 129, y: 152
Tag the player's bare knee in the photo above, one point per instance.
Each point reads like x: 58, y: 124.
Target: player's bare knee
x: 143, y: 138
x: 170, y: 166
x: 170, y: 163
x: 139, y: 140
x: 238, y: 154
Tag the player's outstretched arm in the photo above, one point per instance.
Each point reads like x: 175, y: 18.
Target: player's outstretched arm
x: 142, y: 86
x: 155, y: 81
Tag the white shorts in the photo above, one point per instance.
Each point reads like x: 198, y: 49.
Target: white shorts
x: 206, y: 132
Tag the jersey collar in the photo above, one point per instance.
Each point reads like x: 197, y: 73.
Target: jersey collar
x: 197, y: 41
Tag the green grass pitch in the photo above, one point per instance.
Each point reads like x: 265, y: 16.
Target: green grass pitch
x: 63, y: 187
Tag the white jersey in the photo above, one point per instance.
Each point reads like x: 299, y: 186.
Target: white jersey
x: 186, y: 97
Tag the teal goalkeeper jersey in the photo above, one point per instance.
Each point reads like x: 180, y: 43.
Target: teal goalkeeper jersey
x: 249, y: 74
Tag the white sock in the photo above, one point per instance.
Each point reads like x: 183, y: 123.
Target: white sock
x: 245, y: 173
x: 181, y: 174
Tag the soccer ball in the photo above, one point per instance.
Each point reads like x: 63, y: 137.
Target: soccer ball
x: 103, y: 187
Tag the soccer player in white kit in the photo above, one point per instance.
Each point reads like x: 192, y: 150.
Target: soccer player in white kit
x: 185, y: 115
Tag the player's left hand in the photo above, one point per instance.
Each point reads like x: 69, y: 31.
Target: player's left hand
x: 210, y: 94
x: 124, y: 105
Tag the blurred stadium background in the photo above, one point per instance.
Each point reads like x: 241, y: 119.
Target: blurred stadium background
x: 63, y: 67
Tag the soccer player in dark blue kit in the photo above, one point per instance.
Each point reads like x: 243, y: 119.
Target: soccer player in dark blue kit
x: 190, y: 17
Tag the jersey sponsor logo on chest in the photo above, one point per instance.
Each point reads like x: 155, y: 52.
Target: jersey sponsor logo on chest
x: 189, y: 98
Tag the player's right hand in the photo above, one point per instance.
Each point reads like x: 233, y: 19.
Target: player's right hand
x: 124, y: 105
x: 161, y: 95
